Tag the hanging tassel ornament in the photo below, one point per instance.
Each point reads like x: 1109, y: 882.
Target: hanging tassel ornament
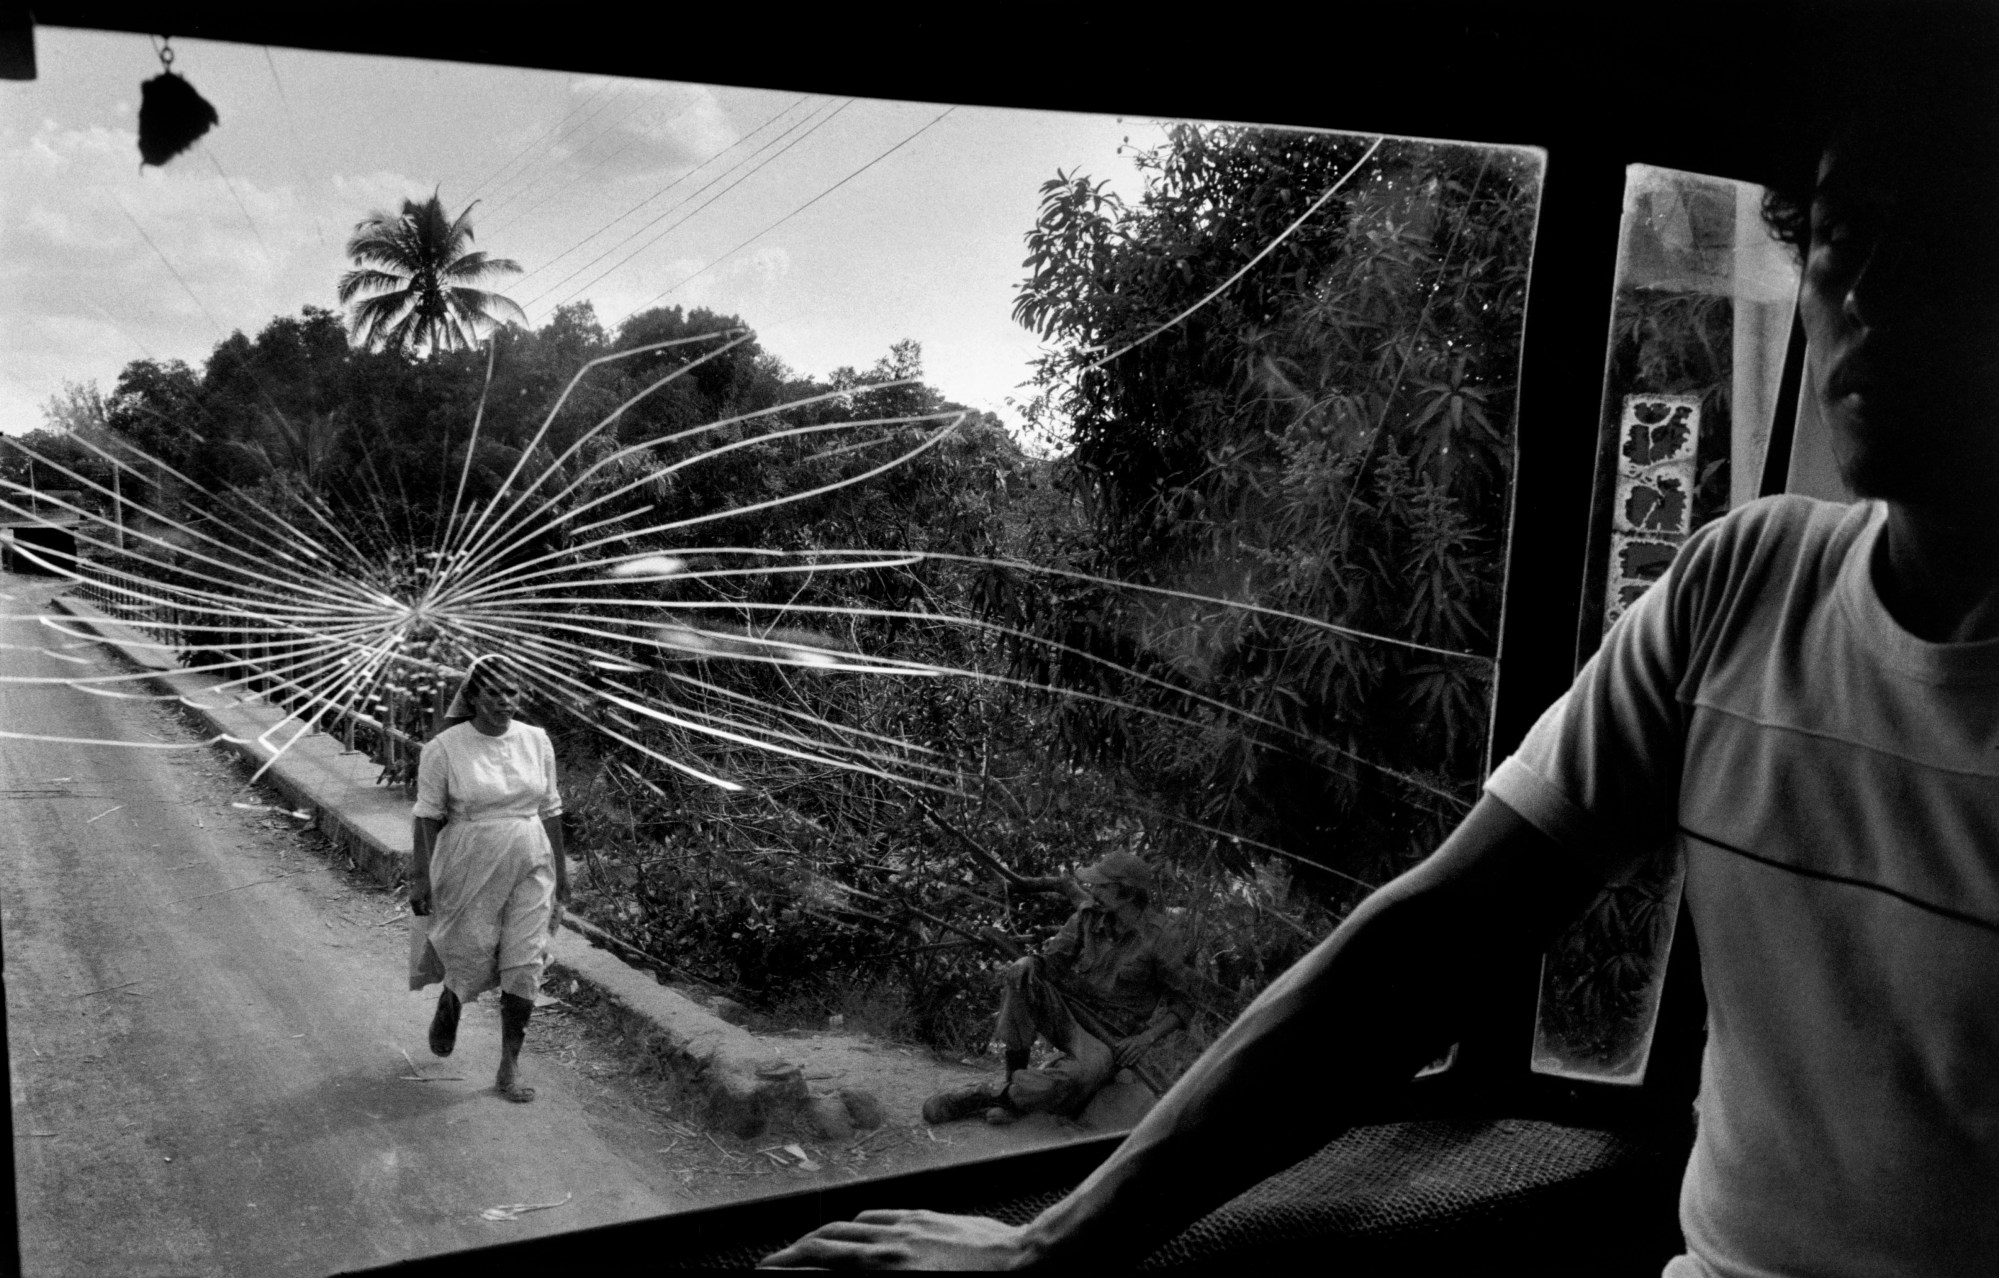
x: 171, y: 114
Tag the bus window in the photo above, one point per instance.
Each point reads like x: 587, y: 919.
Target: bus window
x: 854, y: 650
x: 1700, y: 323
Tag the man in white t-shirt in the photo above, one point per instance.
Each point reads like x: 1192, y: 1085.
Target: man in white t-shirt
x: 1807, y: 708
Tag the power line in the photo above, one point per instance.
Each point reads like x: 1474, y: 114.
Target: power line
x: 529, y: 148
x: 935, y: 120
x: 247, y: 367
x: 758, y: 167
x: 215, y: 323
x: 523, y: 214
x: 234, y: 195
x: 520, y: 182
x: 663, y: 190
x: 551, y: 161
x: 298, y: 148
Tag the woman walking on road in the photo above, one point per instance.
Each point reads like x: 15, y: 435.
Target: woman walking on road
x: 493, y: 882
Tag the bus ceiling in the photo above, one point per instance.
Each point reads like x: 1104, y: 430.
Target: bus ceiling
x: 1692, y: 90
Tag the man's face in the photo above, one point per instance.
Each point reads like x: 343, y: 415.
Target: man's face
x: 1107, y: 898
x: 1901, y: 308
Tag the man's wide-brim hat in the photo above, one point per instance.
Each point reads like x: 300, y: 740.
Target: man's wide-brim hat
x: 1121, y: 869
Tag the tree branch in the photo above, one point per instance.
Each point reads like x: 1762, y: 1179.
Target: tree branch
x: 1059, y: 885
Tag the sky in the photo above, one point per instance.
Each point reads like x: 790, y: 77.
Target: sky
x: 833, y: 226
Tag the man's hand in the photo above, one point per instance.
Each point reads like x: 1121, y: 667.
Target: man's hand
x: 907, y: 1240
x: 420, y: 895
x: 1126, y: 1051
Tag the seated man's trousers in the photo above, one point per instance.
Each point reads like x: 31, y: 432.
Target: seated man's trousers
x: 1032, y: 1007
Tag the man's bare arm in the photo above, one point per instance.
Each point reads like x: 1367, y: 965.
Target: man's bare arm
x: 1387, y: 992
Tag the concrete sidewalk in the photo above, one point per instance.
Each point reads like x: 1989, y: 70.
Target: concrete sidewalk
x: 740, y: 1082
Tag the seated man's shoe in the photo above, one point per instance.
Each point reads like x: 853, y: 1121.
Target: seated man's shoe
x: 962, y: 1102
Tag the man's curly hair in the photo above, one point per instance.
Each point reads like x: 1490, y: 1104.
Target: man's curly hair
x: 1924, y: 75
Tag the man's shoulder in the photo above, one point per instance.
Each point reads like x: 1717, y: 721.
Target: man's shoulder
x: 1785, y: 525
x: 1774, y: 545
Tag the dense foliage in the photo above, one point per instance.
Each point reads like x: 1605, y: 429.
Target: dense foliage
x: 1330, y: 438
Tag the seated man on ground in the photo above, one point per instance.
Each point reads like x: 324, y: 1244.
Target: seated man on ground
x: 1803, y: 709
x: 1124, y: 960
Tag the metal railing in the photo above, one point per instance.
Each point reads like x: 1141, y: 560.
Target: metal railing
x: 247, y: 659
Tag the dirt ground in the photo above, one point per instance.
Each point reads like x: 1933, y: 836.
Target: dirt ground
x: 620, y: 1084
x: 215, y: 1062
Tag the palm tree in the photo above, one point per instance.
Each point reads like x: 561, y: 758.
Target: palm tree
x: 418, y: 279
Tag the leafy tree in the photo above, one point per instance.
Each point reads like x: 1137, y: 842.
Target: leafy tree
x: 1329, y: 437
x: 77, y: 409
x: 414, y: 278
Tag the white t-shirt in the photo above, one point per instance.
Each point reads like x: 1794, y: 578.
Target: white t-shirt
x: 1834, y: 784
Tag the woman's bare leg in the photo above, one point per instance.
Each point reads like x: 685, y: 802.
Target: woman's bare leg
x: 514, y: 1014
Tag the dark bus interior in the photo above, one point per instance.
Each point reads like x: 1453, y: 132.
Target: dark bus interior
x: 1486, y: 1166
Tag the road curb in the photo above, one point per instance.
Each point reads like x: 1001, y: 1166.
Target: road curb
x: 738, y: 1081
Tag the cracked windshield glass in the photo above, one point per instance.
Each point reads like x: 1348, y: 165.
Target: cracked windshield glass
x: 579, y: 648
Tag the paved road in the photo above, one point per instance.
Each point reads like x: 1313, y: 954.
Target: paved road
x: 206, y: 1076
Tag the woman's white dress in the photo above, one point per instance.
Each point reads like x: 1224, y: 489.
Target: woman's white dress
x: 492, y: 872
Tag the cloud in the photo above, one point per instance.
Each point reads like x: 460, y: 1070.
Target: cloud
x: 360, y: 194
x: 759, y: 267
x: 646, y: 129
x: 103, y: 263
x: 621, y: 135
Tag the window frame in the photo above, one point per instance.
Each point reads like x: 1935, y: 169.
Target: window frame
x: 1513, y: 75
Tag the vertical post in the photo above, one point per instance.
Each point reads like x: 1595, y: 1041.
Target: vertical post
x: 1765, y: 298
x: 1570, y: 293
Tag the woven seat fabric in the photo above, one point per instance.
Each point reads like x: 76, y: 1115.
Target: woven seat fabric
x: 1439, y: 1183
x: 1432, y: 1189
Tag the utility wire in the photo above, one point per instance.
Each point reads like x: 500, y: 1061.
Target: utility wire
x: 934, y: 121
x: 298, y: 147
x: 529, y: 148
x: 237, y: 196
x: 631, y: 142
x: 249, y: 368
x: 178, y: 277
x: 551, y: 162
x: 756, y: 168
x: 772, y: 119
x: 521, y: 182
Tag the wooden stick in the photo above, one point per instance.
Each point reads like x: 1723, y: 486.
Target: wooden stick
x: 107, y: 989
x: 718, y: 1145
x: 238, y: 888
